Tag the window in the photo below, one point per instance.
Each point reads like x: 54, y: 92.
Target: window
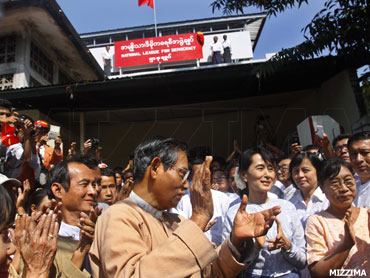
x: 7, y: 49
x: 40, y: 63
x: 6, y: 81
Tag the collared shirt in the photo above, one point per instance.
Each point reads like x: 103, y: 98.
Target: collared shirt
x: 70, y: 231
x: 278, y: 189
x: 317, y: 203
x: 362, y: 199
x: 289, y: 192
x: 146, y: 206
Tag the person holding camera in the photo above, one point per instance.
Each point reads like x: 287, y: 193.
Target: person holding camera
x: 49, y: 155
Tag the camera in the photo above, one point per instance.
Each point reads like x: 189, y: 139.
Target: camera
x: 94, y: 143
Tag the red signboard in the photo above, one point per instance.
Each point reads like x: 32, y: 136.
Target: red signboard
x: 158, y: 50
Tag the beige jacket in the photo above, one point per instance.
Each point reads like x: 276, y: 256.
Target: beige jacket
x: 64, y: 268
x: 131, y: 242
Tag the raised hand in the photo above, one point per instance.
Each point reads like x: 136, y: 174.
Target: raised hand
x: 87, y: 146
x: 295, y: 149
x: 126, y: 189
x: 201, y: 196
x: 236, y: 146
x: 54, y: 206
x: 87, y: 225
x: 251, y: 225
x: 281, y: 240
x: 349, y: 232
x: 37, y: 245
x: 214, y: 186
x: 72, y: 150
x: 22, y: 197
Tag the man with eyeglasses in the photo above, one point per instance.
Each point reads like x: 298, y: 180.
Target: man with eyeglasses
x: 283, y: 187
x: 138, y: 237
x: 340, y: 147
x: 359, y: 154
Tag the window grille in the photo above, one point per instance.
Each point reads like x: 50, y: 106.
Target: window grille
x: 41, y: 64
x: 7, y: 49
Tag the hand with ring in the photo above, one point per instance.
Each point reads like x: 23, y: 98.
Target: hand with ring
x: 37, y: 245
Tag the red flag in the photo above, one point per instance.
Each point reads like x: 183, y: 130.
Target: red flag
x: 150, y: 3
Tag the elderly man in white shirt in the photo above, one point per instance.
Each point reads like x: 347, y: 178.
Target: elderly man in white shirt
x: 216, y: 51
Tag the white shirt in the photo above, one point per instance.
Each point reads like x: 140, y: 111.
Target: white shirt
x: 67, y: 230
x: 317, y: 203
x: 107, y: 54
x: 217, y: 47
x: 232, y: 196
x: 226, y: 43
x: 278, y: 189
x: 220, y: 205
x: 289, y: 192
x: 362, y: 199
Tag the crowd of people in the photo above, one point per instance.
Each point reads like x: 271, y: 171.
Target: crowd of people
x: 179, y: 212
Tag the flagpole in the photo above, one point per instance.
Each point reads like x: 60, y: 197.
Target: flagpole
x: 155, y: 19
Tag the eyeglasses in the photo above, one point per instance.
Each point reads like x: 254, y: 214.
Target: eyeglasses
x: 340, y: 148
x: 5, y: 114
x: 184, y: 172
x: 219, y: 177
x: 283, y: 168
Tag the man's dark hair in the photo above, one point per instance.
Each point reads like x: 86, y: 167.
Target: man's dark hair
x: 165, y: 148
x: 221, y: 161
x: 60, y: 174
x: 358, y: 136
x: 340, y: 137
x: 311, y: 147
x: 118, y: 169
x: 246, y: 157
x: 6, y: 104
x: 331, y: 168
x: 107, y: 172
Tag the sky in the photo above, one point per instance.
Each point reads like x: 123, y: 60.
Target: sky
x: 279, y: 32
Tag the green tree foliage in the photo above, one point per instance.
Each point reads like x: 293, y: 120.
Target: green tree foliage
x: 341, y: 28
